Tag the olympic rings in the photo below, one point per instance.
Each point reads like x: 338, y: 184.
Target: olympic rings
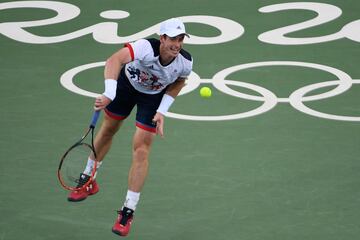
x: 296, y: 99
x: 342, y: 76
x: 66, y: 79
x: 269, y: 103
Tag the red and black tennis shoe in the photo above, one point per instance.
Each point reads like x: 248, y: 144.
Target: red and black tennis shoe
x: 123, y: 222
x: 91, y: 189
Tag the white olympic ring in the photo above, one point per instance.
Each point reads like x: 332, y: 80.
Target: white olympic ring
x: 296, y: 99
x: 269, y: 103
x: 342, y: 76
x: 67, y: 79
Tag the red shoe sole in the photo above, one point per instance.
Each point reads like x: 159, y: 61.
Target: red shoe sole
x: 119, y: 233
x: 81, y: 199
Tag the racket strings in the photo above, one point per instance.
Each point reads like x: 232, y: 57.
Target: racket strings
x: 73, y: 166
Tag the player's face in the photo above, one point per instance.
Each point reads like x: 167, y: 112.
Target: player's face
x: 172, y: 45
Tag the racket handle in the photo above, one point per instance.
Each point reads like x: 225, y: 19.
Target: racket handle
x: 95, y: 117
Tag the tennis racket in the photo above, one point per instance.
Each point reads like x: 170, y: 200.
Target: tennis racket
x: 74, y: 160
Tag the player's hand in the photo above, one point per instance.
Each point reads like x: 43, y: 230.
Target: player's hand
x: 101, y: 102
x: 159, y: 120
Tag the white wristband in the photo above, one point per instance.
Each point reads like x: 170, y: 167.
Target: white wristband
x: 110, y: 88
x: 165, y: 104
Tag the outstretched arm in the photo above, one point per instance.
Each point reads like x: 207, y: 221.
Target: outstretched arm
x: 112, y: 70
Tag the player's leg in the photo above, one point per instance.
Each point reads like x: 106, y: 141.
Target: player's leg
x: 114, y: 113
x: 137, y: 174
x: 102, y: 144
x: 142, y: 142
x: 103, y: 139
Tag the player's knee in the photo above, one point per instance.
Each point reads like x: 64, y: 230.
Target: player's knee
x: 109, y: 130
x: 104, y: 134
x: 141, y: 154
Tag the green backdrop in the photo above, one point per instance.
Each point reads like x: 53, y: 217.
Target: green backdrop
x: 283, y: 174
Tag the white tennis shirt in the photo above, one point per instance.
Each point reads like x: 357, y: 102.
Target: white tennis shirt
x: 146, y: 74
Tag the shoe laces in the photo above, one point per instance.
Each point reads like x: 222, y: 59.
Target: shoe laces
x: 82, y: 180
x: 126, y: 214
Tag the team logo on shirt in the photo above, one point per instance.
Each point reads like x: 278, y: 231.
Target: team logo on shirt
x: 145, y: 79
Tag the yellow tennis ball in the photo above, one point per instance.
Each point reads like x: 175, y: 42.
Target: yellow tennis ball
x: 205, y: 92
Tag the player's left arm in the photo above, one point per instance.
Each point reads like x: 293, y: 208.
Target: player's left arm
x: 174, y: 88
x: 168, y: 98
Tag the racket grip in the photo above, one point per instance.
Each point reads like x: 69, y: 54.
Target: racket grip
x: 95, y: 117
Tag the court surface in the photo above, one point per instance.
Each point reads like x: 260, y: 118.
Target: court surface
x: 273, y: 154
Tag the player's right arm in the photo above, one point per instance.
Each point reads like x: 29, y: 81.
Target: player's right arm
x: 111, y: 73
x: 115, y: 62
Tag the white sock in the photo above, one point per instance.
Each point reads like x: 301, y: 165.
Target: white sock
x: 132, y: 199
x: 89, y: 167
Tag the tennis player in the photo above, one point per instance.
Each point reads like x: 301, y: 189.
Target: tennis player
x: 148, y: 73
